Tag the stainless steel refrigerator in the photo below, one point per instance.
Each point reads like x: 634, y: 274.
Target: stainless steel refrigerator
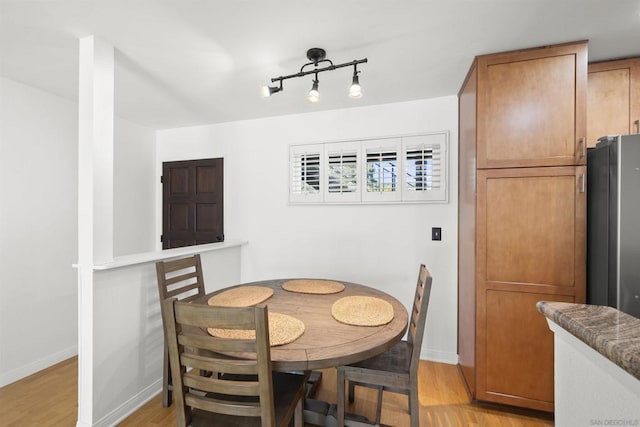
x: 613, y: 223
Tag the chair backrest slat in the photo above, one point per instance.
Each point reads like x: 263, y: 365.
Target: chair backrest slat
x: 210, y: 363
x: 191, y: 347
x: 182, y: 290
x: 181, y: 278
x: 196, y: 340
x: 179, y: 264
x: 223, y: 407
x: 215, y: 385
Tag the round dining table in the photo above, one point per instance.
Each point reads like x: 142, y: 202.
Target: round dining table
x: 326, y: 342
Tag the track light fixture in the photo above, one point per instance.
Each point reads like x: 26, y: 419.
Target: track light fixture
x: 317, y: 56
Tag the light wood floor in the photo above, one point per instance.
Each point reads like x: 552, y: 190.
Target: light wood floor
x: 49, y: 398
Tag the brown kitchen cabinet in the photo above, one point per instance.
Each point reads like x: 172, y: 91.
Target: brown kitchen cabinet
x: 613, y: 99
x: 532, y: 107
x: 521, y: 227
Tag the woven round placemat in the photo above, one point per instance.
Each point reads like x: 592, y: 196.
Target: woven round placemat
x: 283, y: 329
x: 362, y: 311
x: 306, y: 286
x: 242, y: 296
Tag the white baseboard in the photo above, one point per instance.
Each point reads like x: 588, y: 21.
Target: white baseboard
x: 36, y: 366
x: 439, y: 356
x: 130, y: 406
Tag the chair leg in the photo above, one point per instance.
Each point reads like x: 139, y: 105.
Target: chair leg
x: 298, y: 420
x: 166, y: 379
x: 414, y: 407
x: 379, y: 405
x: 340, y: 397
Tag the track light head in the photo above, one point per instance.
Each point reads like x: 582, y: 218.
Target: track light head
x: 355, y: 91
x: 314, y: 95
x: 267, y: 91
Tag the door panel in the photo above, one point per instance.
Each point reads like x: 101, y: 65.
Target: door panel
x: 179, y: 180
x: 519, y: 345
x: 206, y: 179
x: 527, y: 126
x: 192, y: 202
x: 530, y: 223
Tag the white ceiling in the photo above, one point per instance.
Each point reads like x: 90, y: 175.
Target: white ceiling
x: 191, y: 62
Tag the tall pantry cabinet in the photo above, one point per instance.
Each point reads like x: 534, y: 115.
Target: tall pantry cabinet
x: 522, y: 207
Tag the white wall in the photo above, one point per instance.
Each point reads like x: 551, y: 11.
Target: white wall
x: 133, y: 189
x: 378, y: 245
x: 38, y: 230
x: 39, y: 221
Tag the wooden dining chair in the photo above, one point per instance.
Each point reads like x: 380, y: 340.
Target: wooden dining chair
x: 181, y: 279
x: 247, y: 392
x: 396, y: 369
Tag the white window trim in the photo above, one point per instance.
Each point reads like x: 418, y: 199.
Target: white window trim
x: 400, y: 143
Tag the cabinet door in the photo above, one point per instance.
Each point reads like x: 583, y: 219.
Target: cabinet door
x: 531, y: 247
x: 613, y: 100
x: 532, y: 107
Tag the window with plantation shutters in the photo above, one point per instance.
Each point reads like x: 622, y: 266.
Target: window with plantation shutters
x: 424, y: 165
x: 411, y: 168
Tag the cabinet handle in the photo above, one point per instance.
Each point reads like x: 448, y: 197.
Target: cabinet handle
x: 582, y: 183
x: 583, y: 147
x: 637, y: 123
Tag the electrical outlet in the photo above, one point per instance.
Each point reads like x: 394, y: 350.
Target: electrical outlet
x: 436, y: 233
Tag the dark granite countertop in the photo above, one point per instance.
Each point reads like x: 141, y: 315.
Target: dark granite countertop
x: 612, y: 333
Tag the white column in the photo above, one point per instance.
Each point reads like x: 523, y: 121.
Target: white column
x: 95, y: 198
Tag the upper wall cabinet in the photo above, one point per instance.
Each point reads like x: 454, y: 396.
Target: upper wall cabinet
x: 531, y: 107
x: 613, y: 101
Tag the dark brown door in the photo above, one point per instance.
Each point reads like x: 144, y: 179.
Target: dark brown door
x: 192, y: 204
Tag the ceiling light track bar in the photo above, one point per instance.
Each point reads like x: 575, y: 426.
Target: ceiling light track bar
x: 319, y: 70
